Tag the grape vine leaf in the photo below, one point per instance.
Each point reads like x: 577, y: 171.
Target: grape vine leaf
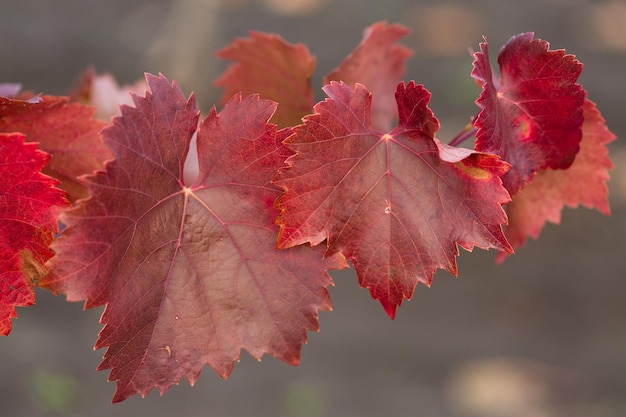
x: 378, y: 62
x: 532, y: 115
x: 279, y: 71
x: 29, y: 204
x: 583, y: 183
x: 66, y: 131
x: 396, y: 204
x: 189, y: 274
x: 268, y: 65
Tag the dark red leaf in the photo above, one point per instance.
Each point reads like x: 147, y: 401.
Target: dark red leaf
x: 268, y: 65
x: 532, y: 115
x: 395, y: 204
x: 189, y: 274
x: 66, y: 131
x: 550, y: 190
x: 29, y: 204
x: 378, y: 62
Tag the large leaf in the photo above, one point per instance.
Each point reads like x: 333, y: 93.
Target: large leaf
x: 584, y: 183
x: 396, y: 204
x: 189, y: 274
x: 268, y: 65
x: 29, y: 204
x: 532, y: 115
x: 378, y: 62
x: 67, y: 131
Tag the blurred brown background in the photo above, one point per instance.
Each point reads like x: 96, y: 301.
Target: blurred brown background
x: 543, y: 335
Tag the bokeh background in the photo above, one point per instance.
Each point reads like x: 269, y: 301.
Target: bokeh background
x: 542, y: 335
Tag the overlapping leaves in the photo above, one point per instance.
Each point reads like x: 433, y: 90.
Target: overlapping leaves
x: 396, y: 204
x: 29, y: 204
x: 532, y: 115
x: 536, y: 117
x: 191, y: 274
x: 29, y: 199
x: 266, y: 64
x: 583, y: 183
x: 67, y: 131
x: 277, y: 70
x: 379, y: 63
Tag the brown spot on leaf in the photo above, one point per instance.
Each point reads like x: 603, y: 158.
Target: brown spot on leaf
x: 31, y: 268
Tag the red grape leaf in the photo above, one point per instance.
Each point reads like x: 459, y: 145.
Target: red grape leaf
x: 66, y: 131
x: 532, y: 115
x: 268, y: 65
x: 29, y: 204
x: 378, y: 62
x: 396, y: 204
x: 189, y: 275
x: 584, y: 182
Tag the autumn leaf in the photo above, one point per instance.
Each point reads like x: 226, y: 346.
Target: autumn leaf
x: 29, y: 204
x: 189, y: 274
x: 378, y: 62
x: 532, y: 115
x: 277, y: 70
x: 268, y: 65
x: 584, y: 183
x: 396, y: 204
x: 66, y: 131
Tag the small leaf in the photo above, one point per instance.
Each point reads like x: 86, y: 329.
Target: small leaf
x: 395, y: 204
x: 104, y: 94
x: 268, y: 65
x: 550, y: 190
x: 66, y: 131
x: 10, y: 90
x: 379, y: 63
x: 189, y: 274
x: 29, y: 204
x: 532, y: 116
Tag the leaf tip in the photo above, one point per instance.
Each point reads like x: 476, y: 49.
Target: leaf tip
x: 390, y: 309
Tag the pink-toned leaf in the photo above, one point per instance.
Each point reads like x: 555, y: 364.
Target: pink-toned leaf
x: 10, y: 90
x: 532, y: 115
x: 66, y: 131
x: 584, y: 183
x: 104, y: 94
x: 268, y: 65
x: 379, y: 63
x: 29, y: 204
x: 395, y: 204
x: 189, y: 274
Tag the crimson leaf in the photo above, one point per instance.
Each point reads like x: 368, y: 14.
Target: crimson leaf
x: 67, y: 131
x: 532, y: 115
x: 29, y: 203
x: 189, y: 274
x: 396, y: 204
x: 378, y: 62
x: 277, y: 70
x: 550, y: 190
